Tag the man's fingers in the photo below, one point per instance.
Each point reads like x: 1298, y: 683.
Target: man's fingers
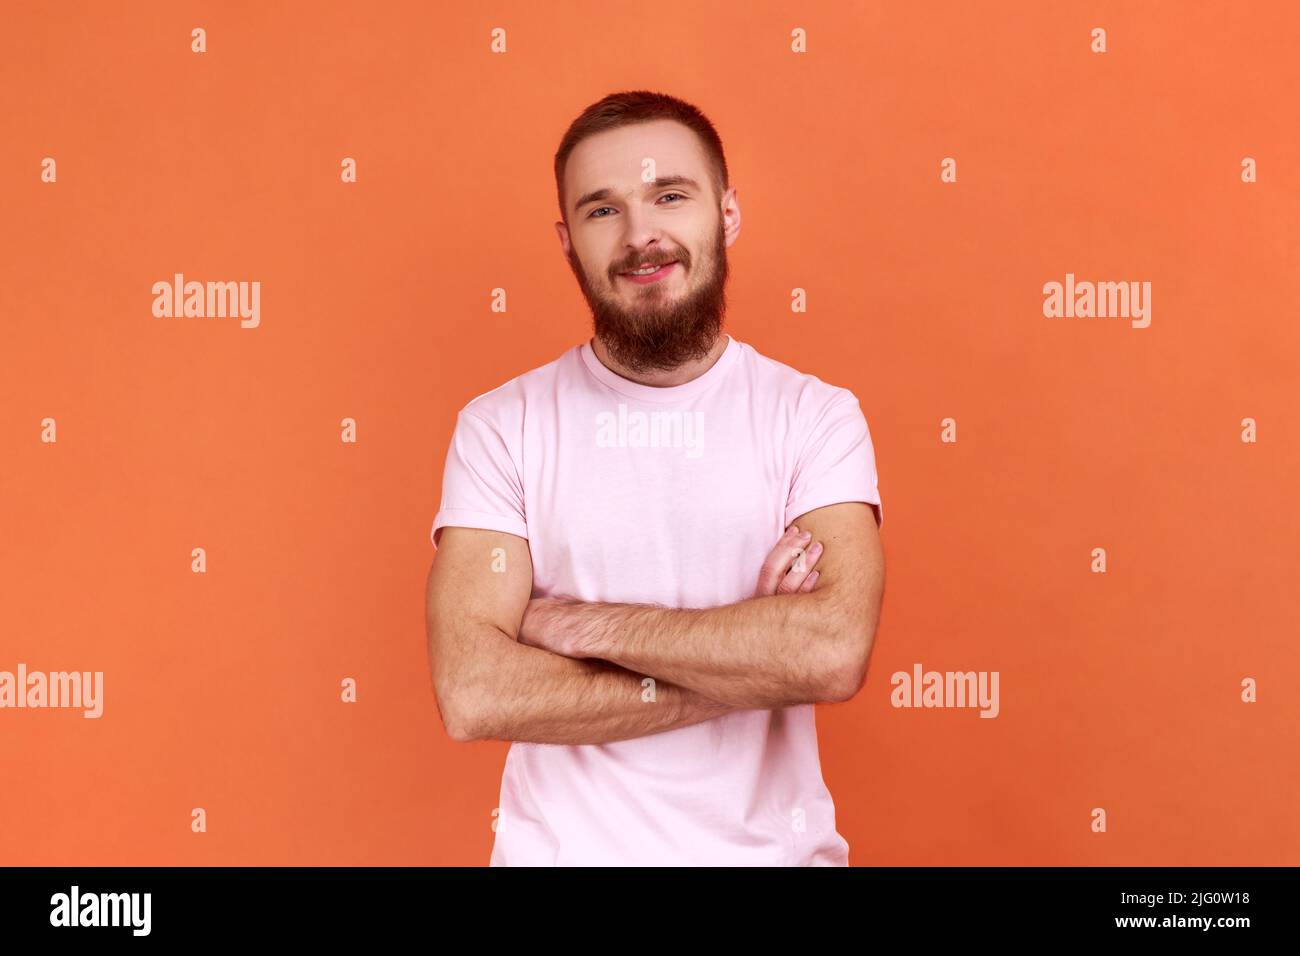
x: 801, y: 567
x: 779, y: 559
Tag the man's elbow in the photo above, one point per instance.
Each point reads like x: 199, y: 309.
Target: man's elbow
x: 848, y: 670
x: 464, y: 688
x: 463, y: 733
x: 460, y: 702
x: 462, y: 720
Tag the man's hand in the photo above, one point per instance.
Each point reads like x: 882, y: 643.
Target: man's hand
x: 787, y: 569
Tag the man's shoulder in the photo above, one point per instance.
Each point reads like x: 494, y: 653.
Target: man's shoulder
x: 803, y: 391
x: 506, y: 402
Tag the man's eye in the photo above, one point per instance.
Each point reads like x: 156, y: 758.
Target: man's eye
x: 592, y: 214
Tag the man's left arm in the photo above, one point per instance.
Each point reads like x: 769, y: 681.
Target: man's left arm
x: 777, y: 650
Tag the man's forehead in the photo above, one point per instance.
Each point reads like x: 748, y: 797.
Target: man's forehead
x: 616, y: 159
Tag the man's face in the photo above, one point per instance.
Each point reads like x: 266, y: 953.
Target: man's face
x: 675, y: 315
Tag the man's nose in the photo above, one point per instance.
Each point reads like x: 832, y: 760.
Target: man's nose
x: 640, y: 231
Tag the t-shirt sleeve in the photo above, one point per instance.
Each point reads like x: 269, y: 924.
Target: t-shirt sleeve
x: 480, y: 483
x: 837, y: 462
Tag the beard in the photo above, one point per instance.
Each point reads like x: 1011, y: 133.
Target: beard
x: 661, y: 330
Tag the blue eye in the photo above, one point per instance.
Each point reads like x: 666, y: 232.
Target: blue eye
x: 592, y: 214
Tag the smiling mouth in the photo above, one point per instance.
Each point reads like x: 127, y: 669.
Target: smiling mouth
x: 650, y: 274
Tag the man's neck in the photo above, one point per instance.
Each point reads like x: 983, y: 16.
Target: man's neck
x: 663, y: 378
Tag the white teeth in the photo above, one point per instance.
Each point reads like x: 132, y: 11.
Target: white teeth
x: 645, y: 271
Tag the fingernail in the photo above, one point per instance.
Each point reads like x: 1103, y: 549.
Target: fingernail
x: 815, y: 549
x: 805, y: 535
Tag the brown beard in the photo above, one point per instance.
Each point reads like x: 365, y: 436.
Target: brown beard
x: 659, y: 333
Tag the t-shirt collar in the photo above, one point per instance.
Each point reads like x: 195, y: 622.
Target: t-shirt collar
x: 661, y: 393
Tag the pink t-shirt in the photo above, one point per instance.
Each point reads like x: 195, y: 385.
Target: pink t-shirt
x: 674, y: 496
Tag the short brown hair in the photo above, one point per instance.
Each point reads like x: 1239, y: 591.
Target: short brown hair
x: 640, y: 106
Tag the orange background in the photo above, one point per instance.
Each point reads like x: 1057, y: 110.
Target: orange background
x: 1118, y: 690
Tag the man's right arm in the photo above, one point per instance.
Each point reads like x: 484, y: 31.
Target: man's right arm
x: 491, y: 687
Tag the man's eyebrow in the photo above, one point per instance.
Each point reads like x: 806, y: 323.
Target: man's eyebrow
x: 600, y: 195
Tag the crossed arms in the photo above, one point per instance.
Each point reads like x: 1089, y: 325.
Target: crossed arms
x: 558, y: 671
